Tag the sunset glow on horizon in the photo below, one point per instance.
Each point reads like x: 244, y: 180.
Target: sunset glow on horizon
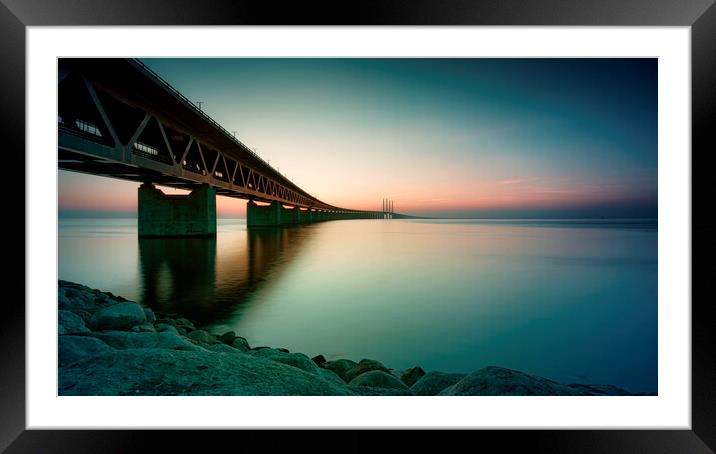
x: 440, y: 137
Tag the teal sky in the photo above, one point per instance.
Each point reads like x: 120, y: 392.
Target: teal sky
x: 441, y: 137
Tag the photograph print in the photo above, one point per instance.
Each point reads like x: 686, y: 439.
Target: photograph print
x: 357, y: 226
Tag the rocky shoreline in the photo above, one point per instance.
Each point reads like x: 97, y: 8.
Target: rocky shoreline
x: 108, y: 345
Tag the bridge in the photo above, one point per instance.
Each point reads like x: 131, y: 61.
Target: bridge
x: 117, y: 118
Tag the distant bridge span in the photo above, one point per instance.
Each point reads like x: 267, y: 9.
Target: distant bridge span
x: 119, y: 119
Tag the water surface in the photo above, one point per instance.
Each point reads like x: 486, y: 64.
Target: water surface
x: 571, y: 300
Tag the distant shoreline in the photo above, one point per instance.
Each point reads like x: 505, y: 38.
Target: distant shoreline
x: 111, y: 346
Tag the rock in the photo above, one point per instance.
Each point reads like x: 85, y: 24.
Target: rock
x: 70, y: 323
x: 121, y: 316
x: 373, y: 391
x: 71, y: 300
x: 330, y: 376
x: 227, y: 338
x: 182, y: 330
x: 186, y: 323
x: 600, y: 390
x: 84, y: 315
x: 161, y: 327
x: 144, y: 328
x: 378, y: 379
x: 365, y: 365
x: 412, y: 375
x: 222, y: 348
x: 128, y: 340
x: 167, y: 321
x: 241, y: 344
x: 432, y: 383
x: 144, y: 372
x: 320, y: 359
x: 71, y: 349
x: 202, y: 337
x: 285, y: 350
x: 149, y: 314
x: 340, y: 367
x: 298, y: 360
x: 498, y: 381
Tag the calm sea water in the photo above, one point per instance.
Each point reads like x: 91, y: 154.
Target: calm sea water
x: 575, y: 301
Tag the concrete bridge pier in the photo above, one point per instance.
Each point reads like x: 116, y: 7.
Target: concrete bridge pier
x: 163, y: 215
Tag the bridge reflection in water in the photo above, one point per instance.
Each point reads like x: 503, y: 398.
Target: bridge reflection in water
x: 186, y: 277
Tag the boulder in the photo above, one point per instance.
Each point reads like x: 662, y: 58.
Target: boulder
x: 241, y: 344
x: 72, y: 300
x: 70, y: 323
x: 128, y: 340
x: 498, y: 381
x: 71, y: 349
x: 319, y: 359
x: 340, y: 367
x: 166, y: 321
x: 222, y: 348
x: 144, y: 372
x: 412, y: 375
x: 432, y: 383
x: 227, y: 338
x: 121, y: 316
x: 161, y: 327
x: 365, y: 365
x: 298, y: 360
x: 373, y: 391
x: 330, y: 376
x: 143, y: 328
x: 378, y: 379
x: 201, y: 337
x: 151, y: 318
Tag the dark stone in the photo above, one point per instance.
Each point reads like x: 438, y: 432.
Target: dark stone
x: 320, y: 359
x: 202, y: 337
x: 129, y: 340
x: 285, y: 350
x: 365, y: 365
x: 227, y: 338
x: 340, y: 367
x: 159, y: 372
x: 71, y: 349
x: 151, y: 318
x: 161, y: 327
x: 71, y: 323
x: 433, y: 382
x: 378, y: 379
x: 241, y: 344
x: 412, y: 375
x: 498, y: 381
x: 121, y: 316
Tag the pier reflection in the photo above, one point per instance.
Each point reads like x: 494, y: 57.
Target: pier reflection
x: 210, y: 280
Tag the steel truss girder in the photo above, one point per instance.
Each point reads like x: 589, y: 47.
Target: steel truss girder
x: 124, y: 155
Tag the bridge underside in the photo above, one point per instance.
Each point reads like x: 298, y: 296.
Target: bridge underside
x: 117, y: 119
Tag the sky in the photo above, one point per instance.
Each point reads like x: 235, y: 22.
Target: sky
x: 535, y: 138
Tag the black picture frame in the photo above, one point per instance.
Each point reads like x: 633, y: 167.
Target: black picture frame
x: 700, y: 15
